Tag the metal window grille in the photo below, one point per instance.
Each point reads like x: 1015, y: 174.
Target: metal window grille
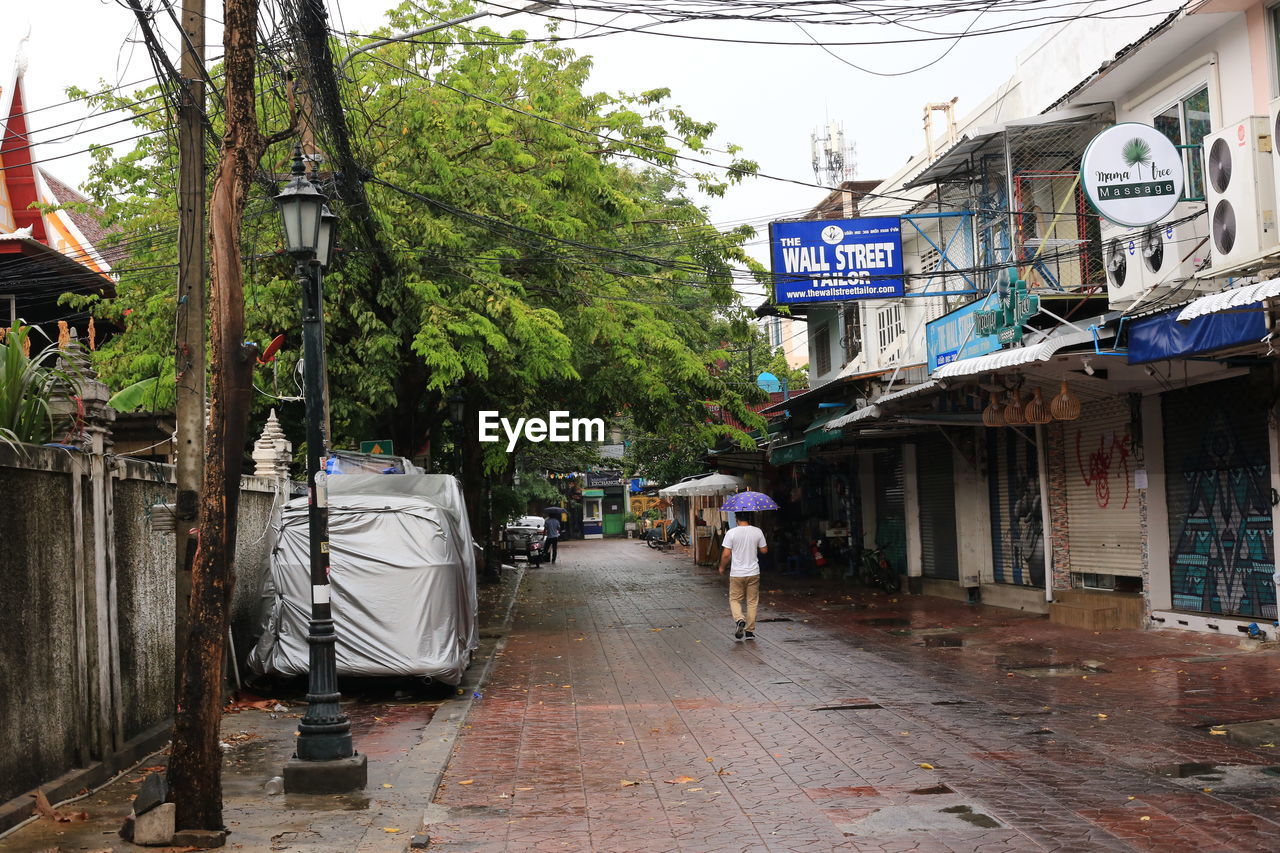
x: 822, y: 349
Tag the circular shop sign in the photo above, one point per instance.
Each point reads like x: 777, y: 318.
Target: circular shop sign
x: 1132, y: 174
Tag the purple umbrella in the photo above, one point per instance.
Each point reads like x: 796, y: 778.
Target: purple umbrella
x: 749, y: 501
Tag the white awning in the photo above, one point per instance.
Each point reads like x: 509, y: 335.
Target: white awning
x: 911, y: 391
x: 1226, y: 300
x: 996, y: 361
x: 874, y: 411
x: 866, y: 413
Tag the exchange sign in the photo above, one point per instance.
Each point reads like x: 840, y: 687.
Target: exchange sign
x: 835, y: 260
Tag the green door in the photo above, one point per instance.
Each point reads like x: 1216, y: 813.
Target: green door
x: 614, y: 507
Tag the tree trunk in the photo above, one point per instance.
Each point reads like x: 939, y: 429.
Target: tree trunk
x: 195, y: 768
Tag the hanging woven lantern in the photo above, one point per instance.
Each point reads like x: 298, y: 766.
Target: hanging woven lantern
x: 1036, y: 412
x: 991, y: 415
x: 1065, y: 407
x: 1013, y: 413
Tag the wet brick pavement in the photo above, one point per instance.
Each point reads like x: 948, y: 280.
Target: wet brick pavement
x: 620, y: 681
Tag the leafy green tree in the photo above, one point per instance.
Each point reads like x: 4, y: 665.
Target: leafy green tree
x: 546, y: 249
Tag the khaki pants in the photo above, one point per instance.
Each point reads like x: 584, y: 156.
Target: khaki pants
x: 748, y: 588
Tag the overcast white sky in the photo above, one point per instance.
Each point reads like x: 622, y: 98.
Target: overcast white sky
x: 766, y: 99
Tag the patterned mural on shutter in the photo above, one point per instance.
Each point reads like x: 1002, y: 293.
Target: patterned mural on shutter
x: 1017, y: 528
x: 1218, y: 484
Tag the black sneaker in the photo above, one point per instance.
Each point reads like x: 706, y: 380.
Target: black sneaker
x: 742, y: 627
x: 750, y: 635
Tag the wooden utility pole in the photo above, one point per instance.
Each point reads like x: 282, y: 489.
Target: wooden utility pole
x: 195, y: 767
x: 190, y: 349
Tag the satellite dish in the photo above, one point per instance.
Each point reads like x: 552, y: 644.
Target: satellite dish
x: 769, y: 383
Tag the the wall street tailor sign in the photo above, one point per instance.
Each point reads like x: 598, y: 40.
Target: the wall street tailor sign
x: 1132, y: 174
x: 835, y: 260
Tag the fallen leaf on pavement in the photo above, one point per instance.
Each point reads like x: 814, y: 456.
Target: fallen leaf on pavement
x: 386, y: 785
x: 467, y: 782
x: 391, y: 829
x: 627, y: 783
x: 693, y: 789
x: 680, y: 780
x: 524, y: 789
x: 45, y: 809
x: 1217, y: 732
x: 1144, y: 817
x: 924, y: 765
x: 1101, y: 716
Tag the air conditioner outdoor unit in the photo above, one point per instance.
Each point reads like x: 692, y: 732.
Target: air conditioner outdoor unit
x: 1123, y: 263
x: 1172, y: 251
x: 1240, y: 189
x: 1273, y: 123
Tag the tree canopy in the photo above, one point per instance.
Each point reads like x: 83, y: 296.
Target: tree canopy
x: 546, y: 248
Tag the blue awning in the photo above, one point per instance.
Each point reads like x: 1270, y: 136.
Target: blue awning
x: 1162, y: 336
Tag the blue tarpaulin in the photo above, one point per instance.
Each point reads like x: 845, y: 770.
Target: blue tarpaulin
x: 1162, y: 336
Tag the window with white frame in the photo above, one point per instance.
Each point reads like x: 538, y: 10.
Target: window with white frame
x: 1188, y: 122
x: 889, y: 326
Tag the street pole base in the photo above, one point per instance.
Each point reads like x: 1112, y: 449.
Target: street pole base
x: 336, y: 776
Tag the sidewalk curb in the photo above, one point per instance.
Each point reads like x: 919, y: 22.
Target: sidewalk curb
x: 434, y: 750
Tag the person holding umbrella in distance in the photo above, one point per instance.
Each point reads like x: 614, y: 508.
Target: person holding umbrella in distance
x: 552, y: 527
x: 743, y: 546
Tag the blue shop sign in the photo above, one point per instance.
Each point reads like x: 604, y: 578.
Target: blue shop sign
x: 835, y: 260
x: 953, y: 336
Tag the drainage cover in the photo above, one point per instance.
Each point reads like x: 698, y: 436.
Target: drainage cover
x: 1223, y: 777
x: 933, y: 789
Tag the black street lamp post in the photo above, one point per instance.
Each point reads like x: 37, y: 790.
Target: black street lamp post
x: 325, y: 761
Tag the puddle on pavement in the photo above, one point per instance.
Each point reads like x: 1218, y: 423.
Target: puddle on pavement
x: 950, y: 702
x: 777, y: 619
x: 1239, y: 778
x: 884, y: 622
x: 1038, y: 732
x: 1052, y: 670
x: 968, y: 815
x: 858, y: 706
x: 943, y: 641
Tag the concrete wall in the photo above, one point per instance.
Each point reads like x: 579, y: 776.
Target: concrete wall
x: 86, y: 598
x: 40, y: 720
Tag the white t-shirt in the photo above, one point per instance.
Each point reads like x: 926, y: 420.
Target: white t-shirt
x: 744, y: 544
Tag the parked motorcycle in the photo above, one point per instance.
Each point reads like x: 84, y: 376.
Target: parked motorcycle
x: 526, y: 538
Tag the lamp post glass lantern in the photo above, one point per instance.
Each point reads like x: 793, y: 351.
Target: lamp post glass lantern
x: 327, y: 237
x: 300, y: 205
x: 325, y: 761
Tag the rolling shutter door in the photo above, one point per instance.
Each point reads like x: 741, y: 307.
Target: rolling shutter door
x: 1218, y: 485
x: 1013, y: 482
x: 1104, y: 533
x: 891, y: 508
x: 935, y: 482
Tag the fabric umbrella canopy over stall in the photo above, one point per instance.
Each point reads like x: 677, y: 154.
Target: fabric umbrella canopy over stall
x: 749, y: 501
x: 716, y: 484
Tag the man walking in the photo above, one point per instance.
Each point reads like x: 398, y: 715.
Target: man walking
x: 742, y: 547
x: 552, y: 527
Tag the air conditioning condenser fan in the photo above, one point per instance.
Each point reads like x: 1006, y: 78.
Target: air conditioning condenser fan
x: 1153, y: 249
x: 1220, y: 165
x: 1224, y: 227
x: 1117, y: 265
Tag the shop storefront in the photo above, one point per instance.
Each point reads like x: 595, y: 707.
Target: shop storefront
x: 936, y: 489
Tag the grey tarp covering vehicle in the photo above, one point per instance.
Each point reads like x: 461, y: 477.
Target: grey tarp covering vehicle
x: 402, y: 575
